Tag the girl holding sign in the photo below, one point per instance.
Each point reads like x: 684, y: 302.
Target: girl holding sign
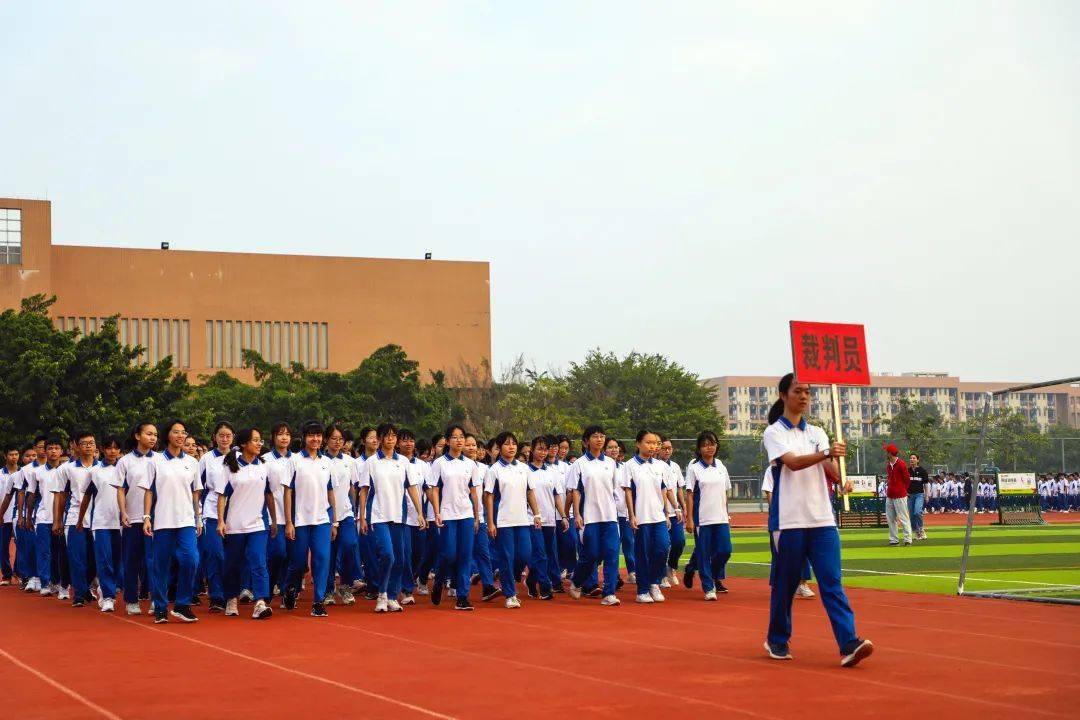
x: 802, y: 525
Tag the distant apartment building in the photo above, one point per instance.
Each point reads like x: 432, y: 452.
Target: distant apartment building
x: 745, y: 400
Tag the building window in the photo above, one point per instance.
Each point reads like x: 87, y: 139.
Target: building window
x: 10, y: 236
x: 159, y: 338
x: 278, y: 342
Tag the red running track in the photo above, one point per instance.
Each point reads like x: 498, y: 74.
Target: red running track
x: 759, y: 520
x: 936, y: 657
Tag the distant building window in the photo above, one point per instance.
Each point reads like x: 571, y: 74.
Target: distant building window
x: 10, y: 237
x: 278, y: 342
x: 158, y: 338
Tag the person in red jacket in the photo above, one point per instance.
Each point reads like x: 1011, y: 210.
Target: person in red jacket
x: 896, y: 504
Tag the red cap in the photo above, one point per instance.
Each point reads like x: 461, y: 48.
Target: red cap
x: 892, y: 449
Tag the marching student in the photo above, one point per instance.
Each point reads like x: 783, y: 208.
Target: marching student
x: 802, y: 524
x: 136, y: 546
x: 25, y: 558
x: 615, y: 450
x: 246, y: 511
x: 567, y: 545
x: 72, y: 479
x: 211, y: 549
x: 412, y: 535
x: 102, y: 502
x: 707, y: 486
x: 345, y: 548
x: 171, y: 516
x: 310, y: 521
x: 388, y: 478
x: 676, y: 514
x: 483, y: 552
x: 278, y: 468
x: 367, y: 442
x: 7, y: 512
x: 803, y: 591
x: 426, y: 549
x: 452, y: 493
x: 646, y: 487
x: 47, y: 548
x: 510, y: 502
x: 591, y: 479
x: 543, y: 575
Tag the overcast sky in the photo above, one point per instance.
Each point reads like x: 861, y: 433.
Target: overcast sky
x: 680, y: 177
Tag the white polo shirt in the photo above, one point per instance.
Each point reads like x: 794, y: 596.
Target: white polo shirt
x: 710, y: 485
x: 278, y: 468
x: 548, y: 488
x: 130, y: 471
x: 41, y: 481
x: 560, y: 468
x: 594, y: 479
x: 174, y: 480
x: 212, y: 475
x: 676, y: 481
x: 341, y: 475
x: 245, y: 496
x: 7, y: 487
x: 453, y: 479
x: 648, y: 480
x: 801, y: 497
x: 19, y: 480
x: 509, y: 483
x: 418, y: 469
x: 620, y: 497
x: 104, y: 510
x: 73, y: 478
x: 386, y: 477
x: 310, y: 481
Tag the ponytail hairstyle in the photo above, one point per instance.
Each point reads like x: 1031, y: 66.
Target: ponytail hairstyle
x: 243, y: 437
x: 130, y: 442
x: 704, y: 437
x: 777, y: 408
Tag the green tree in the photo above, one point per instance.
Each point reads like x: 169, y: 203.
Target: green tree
x: 52, y: 380
x: 918, y: 428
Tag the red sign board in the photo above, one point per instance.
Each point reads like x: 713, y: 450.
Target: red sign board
x: 829, y: 353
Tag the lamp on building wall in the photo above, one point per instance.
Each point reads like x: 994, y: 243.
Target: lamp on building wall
x: 427, y: 256
x: 164, y: 246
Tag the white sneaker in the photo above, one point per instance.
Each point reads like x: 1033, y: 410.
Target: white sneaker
x: 246, y: 596
x: 133, y: 609
x: 711, y: 595
x: 382, y: 604
x: 804, y: 591
x: 655, y: 594
x: 673, y: 578
x: 513, y: 602
x: 665, y: 583
x: 394, y: 606
x: 610, y: 600
x: 47, y: 591
x: 347, y: 597
x: 231, y: 608
x: 33, y: 585
x: 575, y: 591
x: 63, y: 594
x: 4, y: 583
x: 107, y: 605
x: 408, y: 600
x: 632, y: 578
x: 451, y: 593
x: 644, y: 598
x: 423, y: 590
x: 262, y: 610
x: 329, y: 600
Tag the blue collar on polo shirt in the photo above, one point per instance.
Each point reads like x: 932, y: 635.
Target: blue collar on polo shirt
x: 589, y: 455
x: 305, y: 453
x: 244, y: 463
x: 136, y: 453
x: 448, y: 456
x: 705, y: 464
x: 787, y: 423
x: 288, y: 453
x: 504, y: 463
x: 380, y: 454
x: 533, y: 467
x: 217, y: 453
x: 169, y: 456
x: 641, y: 460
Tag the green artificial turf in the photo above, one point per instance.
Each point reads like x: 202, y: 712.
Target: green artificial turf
x: 1033, y: 560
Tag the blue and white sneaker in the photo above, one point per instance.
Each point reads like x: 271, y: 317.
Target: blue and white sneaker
x: 862, y: 649
x: 778, y: 652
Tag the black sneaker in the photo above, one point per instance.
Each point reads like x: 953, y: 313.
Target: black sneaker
x: 371, y: 594
x: 778, y: 652
x: 546, y: 596
x: 289, y: 601
x: 531, y: 591
x: 216, y: 607
x: 183, y: 612
x: 160, y: 616
x: 318, y: 610
x: 863, y: 649
x: 77, y: 602
x: 436, y: 593
x: 558, y: 588
x: 595, y: 592
x: 490, y: 593
x: 475, y: 579
x: 463, y: 604
x: 720, y: 587
x: 619, y: 584
x: 196, y: 601
x: 688, y: 579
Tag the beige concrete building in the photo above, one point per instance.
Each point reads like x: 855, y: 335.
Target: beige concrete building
x: 745, y: 400
x: 203, y: 308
